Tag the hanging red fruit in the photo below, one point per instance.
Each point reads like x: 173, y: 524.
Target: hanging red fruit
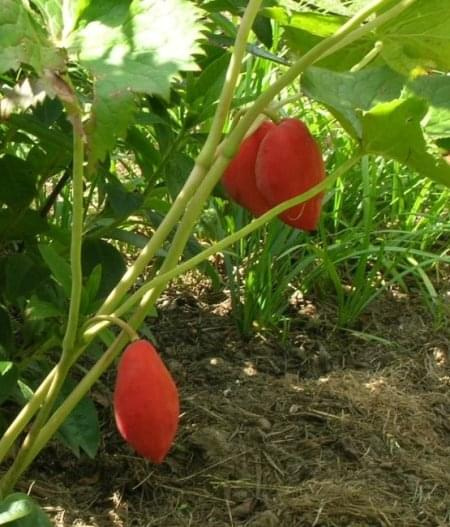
x: 146, y: 404
x: 239, y: 177
x: 289, y: 163
x: 276, y: 163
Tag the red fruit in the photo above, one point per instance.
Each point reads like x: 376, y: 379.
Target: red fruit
x: 239, y: 177
x: 289, y: 163
x: 146, y: 405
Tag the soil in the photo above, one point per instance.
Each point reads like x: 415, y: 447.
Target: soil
x: 319, y: 427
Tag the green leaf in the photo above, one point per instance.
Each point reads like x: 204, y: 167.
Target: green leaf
x: 177, y: 171
x: 13, y: 507
x: 346, y: 93
x: 419, y: 37
x: 59, y: 267
x: 122, y: 202
x: 23, y: 40
x: 60, y: 17
x: 112, y: 112
x: 38, y: 309
x: 8, y: 379
x: 19, y: 510
x: 210, y: 82
x: 17, y: 182
x: 21, y: 226
x: 393, y: 130
x: 263, y: 30
x: 137, y: 46
x: 81, y: 429
x: 303, y: 31
x: 436, y: 90
x: 22, y: 276
x: 99, y: 252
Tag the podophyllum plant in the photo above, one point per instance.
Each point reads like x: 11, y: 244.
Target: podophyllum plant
x: 97, y: 61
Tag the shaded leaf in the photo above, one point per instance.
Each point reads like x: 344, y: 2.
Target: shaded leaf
x: 138, y: 45
x: 436, y: 90
x: 81, y: 429
x: 346, y: 93
x: 17, y: 182
x: 23, y: 40
x: 8, y: 379
x: 419, y: 37
x: 99, y: 252
x: 59, y: 267
x: 393, y: 130
x: 112, y: 112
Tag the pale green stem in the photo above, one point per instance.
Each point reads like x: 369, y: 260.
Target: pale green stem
x: 61, y: 413
x: 373, y: 24
x: 198, y: 173
x: 24, y: 416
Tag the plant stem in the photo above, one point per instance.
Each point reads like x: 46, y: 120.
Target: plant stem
x: 199, y: 171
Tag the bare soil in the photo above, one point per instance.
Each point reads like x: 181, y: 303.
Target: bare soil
x: 320, y: 427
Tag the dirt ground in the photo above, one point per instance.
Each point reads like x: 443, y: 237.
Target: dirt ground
x: 323, y: 428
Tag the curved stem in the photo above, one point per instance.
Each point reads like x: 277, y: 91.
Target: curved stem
x: 109, y: 319
x: 199, y: 171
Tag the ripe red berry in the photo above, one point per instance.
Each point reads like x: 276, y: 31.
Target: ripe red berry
x: 276, y: 163
x: 289, y: 163
x: 146, y: 404
x: 239, y: 177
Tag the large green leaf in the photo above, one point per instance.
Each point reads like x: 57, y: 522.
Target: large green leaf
x: 112, y: 112
x: 436, y: 90
x: 419, y: 37
x: 24, y: 41
x: 345, y: 94
x: 138, y: 45
x: 81, y: 429
x: 393, y: 130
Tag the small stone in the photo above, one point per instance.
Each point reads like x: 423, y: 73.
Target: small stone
x: 264, y: 424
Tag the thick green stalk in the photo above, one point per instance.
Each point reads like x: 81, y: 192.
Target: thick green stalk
x: 24, y: 416
x: 199, y: 171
